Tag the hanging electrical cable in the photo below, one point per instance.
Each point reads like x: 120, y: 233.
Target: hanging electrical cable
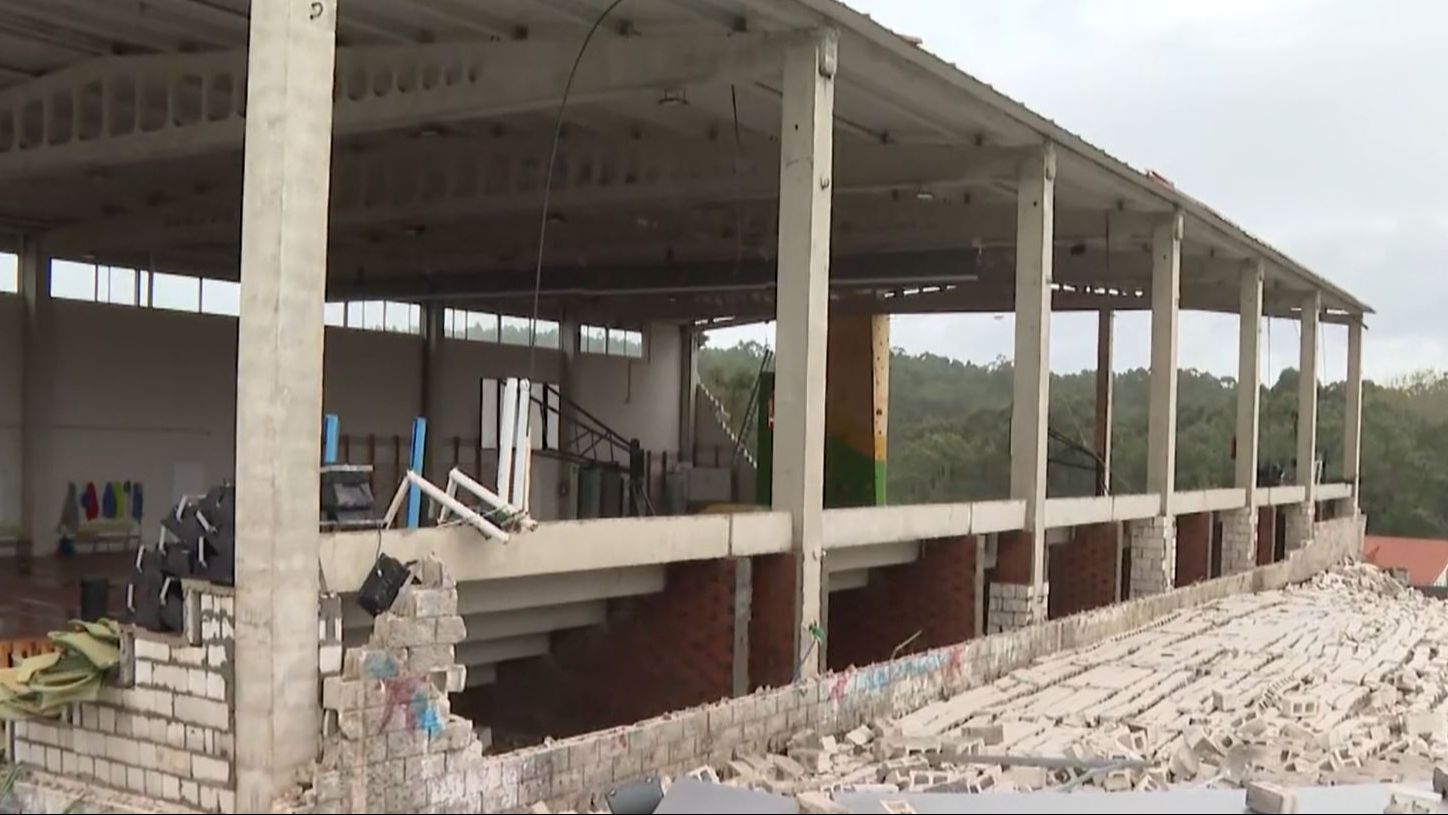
x: 548, y: 183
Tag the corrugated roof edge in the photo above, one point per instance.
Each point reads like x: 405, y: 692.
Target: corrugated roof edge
x: 865, y: 26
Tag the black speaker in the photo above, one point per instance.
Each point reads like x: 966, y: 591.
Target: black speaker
x: 347, y: 493
x: 380, y: 589
x: 143, y: 594
x: 95, y: 598
x: 173, y: 606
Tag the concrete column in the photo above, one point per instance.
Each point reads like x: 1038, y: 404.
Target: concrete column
x: 1249, y: 380
x: 569, y: 342
x: 1352, y: 422
x: 1307, y: 396
x: 806, y: 162
x: 1105, y: 398
x: 279, y: 393
x: 1035, y: 228
x: 688, y: 389
x: 1153, y: 555
x: 37, y: 397
x: 1166, y: 243
x: 1239, y: 539
x: 433, y: 390
x: 857, y: 396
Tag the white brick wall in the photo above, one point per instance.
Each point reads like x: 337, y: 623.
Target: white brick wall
x: 1153, y: 555
x: 1239, y: 539
x: 1016, y: 605
x: 1299, y: 524
x: 168, y: 735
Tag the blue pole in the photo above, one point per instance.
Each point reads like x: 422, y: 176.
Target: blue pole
x: 331, y: 427
x: 414, y: 495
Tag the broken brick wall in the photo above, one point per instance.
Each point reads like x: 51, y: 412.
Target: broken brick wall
x: 771, y: 620
x: 934, y: 595
x: 1194, y: 548
x: 162, y: 726
x: 1083, y: 572
x: 390, y: 742
x: 655, y: 653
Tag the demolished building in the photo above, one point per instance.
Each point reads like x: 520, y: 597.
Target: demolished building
x: 362, y: 185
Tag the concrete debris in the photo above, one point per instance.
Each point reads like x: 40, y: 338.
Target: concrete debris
x: 818, y: 803
x: 1405, y: 799
x: 1270, y: 798
x: 1340, y: 680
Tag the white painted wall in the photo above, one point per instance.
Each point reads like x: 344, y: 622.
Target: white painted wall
x: 141, y: 391
x: 637, y: 397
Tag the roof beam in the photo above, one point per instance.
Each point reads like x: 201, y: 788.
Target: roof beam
x: 378, y: 88
x: 427, y: 181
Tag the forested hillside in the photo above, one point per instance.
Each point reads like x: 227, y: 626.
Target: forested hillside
x: 949, y: 433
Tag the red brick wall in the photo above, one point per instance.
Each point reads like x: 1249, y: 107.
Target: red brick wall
x: 656, y: 653
x: 1082, y: 572
x: 1266, y: 534
x: 1193, y: 548
x: 934, y: 595
x: 771, y: 622
x: 1013, y: 557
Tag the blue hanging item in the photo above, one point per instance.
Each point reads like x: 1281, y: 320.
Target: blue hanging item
x: 108, y: 501
x: 136, y: 506
x: 331, y: 428
x: 414, y: 495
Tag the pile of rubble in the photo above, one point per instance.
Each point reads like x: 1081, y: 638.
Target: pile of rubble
x: 1341, y: 680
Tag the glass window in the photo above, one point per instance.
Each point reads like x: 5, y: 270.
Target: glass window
x: 354, y: 314
x: 334, y: 314
x: 119, y: 286
x: 547, y: 334
x: 72, y: 281
x: 633, y: 344
x: 514, y: 331
x: 221, y: 297
x: 593, y: 339
x: 374, y: 315
x: 481, y: 326
x: 396, y: 317
x: 175, y: 292
x: 9, y: 272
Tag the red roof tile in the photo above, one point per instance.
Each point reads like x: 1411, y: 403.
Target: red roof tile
x: 1424, y: 558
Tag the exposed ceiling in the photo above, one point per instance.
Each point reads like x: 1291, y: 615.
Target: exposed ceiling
x: 121, y: 124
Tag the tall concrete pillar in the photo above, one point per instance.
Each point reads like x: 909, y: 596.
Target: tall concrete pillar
x: 688, y: 388
x: 1307, y: 396
x: 433, y: 390
x: 1300, y: 517
x: 1249, y: 380
x: 806, y: 166
x: 37, y: 397
x: 1105, y: 398
x: 1166, y: 246
x: 279, y: 393
x: 1352, y: 423
x: 569, y: 342
x: 857, y: 396
x: 1020, y: 588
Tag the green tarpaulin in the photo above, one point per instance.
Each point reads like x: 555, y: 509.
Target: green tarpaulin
x: 45, y: 684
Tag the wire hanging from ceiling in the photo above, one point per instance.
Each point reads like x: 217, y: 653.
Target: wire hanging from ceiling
x: 548, y: 183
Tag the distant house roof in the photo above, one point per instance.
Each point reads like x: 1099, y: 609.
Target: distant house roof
x: 1423, y: 558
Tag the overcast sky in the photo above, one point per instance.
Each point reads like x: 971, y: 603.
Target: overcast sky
x: 1319, y: 125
